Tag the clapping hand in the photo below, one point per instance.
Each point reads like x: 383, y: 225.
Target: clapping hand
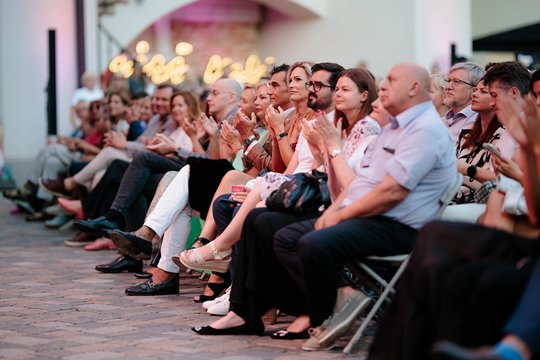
x: 189, y: 128
x: 231, y: 136
x: 161, y: 144
x: 244, y: 124
x: 332, y: 135
x: 275, y: 119
x: 209, y: 125
x: 314, y: 139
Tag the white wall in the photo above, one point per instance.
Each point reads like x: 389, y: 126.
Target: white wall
x: 438, y: 24
x: 379, y: 32
x: 24, y: 67
x: 129, y: 20
x: 494, y: 16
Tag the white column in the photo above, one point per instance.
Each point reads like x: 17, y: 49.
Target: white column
x: 90, y: 36
x: 438, y: 24
x: 163, y: 44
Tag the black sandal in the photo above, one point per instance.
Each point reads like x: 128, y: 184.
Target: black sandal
x: 283, y: 334
x: 217, y: 288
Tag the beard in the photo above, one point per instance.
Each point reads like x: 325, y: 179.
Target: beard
x: 315, y: 103
x: 312, y: 101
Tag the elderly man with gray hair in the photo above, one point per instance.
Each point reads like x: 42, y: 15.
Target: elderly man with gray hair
x: 461, y: 80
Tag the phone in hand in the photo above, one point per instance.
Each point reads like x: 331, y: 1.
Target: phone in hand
x: 492, y: 149
x: 238, y: 188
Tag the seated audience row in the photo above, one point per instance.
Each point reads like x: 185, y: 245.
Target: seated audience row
x: 381, y: 155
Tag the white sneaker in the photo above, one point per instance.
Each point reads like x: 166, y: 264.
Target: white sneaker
x: 220, y: 307
x: 209, y: 303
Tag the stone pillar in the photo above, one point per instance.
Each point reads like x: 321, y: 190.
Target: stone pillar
x: 438, y: 24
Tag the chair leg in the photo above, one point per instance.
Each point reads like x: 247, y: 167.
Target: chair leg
x: 358, y: 334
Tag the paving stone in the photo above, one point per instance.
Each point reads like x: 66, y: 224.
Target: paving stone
x: 95, y: 355
x: 16, y: 353
x: 56, y: 306
x: 25, y: 340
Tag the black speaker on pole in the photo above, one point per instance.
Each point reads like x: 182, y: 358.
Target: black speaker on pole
x: 51, y: 85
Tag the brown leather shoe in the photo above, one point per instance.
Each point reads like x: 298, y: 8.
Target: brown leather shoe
x: 55, y: 187
x: 80, y: 239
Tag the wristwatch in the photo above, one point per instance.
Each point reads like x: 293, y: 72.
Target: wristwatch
x: 282, y: 135
x: 248, y: 140
x: 471, y: 172
x: 335, y: 153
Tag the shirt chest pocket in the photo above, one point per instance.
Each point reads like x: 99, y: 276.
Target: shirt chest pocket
x: 380, y: 157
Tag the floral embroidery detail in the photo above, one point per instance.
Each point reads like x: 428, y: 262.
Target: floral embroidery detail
x: 363, y: 128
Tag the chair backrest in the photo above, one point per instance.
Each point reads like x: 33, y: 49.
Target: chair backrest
x: 449, y: 194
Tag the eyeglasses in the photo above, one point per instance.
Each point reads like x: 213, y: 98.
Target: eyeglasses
x: 457, y: 82
x: 316, y: 86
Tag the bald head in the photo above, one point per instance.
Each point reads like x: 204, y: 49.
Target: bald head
x: 223, y: 97
x: 233, y: 85
x: 407, y: 84
x: 419, y: 74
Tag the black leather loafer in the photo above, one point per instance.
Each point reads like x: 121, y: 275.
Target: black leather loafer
x: 169, y: 287
x: 133, y: 245
x: 98, y: 227
x: 122, y: 263
x: 283, y: 334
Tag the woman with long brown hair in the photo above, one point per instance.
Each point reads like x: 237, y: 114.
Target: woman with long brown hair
x: 473, y: 159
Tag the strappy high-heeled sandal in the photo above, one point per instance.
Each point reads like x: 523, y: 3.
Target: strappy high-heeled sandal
x: 199, y: 242
x: 217, y: 288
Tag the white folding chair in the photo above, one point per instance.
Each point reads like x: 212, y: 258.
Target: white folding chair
x: 402, y: 260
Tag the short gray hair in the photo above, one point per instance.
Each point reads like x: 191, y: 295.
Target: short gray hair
x: 439, y: 82
x: 476, y: 73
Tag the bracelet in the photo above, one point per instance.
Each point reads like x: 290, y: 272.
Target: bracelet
x: 281, y: 136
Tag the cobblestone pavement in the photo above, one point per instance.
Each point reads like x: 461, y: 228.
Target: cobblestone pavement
x: 53, y: 304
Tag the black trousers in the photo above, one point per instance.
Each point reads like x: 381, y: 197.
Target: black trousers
x: 224, y: 211
x: 320, y: 254
x: 100, y: 199
x: 462, y: 283
x: 260, y: 281
x: 142, y: 176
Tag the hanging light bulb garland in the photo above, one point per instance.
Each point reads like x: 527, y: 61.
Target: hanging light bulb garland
x: 159, y: 70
